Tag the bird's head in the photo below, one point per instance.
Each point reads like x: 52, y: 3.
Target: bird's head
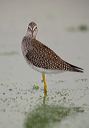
x: 32, y: 30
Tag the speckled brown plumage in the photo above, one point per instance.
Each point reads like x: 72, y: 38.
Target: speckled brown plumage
x: 43, y: 57
x: 40, y: 56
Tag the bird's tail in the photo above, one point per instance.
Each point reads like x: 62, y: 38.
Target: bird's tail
x: 75, y: 68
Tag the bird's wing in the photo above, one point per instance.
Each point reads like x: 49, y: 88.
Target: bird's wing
x: 43, y: 57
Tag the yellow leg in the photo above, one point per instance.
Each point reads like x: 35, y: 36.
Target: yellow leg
x: 45, y: 85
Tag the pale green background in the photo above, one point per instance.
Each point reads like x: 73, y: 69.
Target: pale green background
x: 53, y: 18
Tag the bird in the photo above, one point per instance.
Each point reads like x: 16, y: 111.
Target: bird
x: 42, y: 58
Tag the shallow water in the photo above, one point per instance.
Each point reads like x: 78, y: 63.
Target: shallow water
x: 66, y: 91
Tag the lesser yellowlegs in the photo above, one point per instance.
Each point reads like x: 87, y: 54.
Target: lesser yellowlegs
x: 42, y: 58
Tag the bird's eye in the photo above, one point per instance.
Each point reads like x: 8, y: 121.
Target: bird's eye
x: 35, y: 28
x: 29, y: 28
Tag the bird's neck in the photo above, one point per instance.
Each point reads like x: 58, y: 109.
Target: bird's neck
x: 30, y: 37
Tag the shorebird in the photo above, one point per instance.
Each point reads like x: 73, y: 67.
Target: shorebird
x: 42, y: 58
